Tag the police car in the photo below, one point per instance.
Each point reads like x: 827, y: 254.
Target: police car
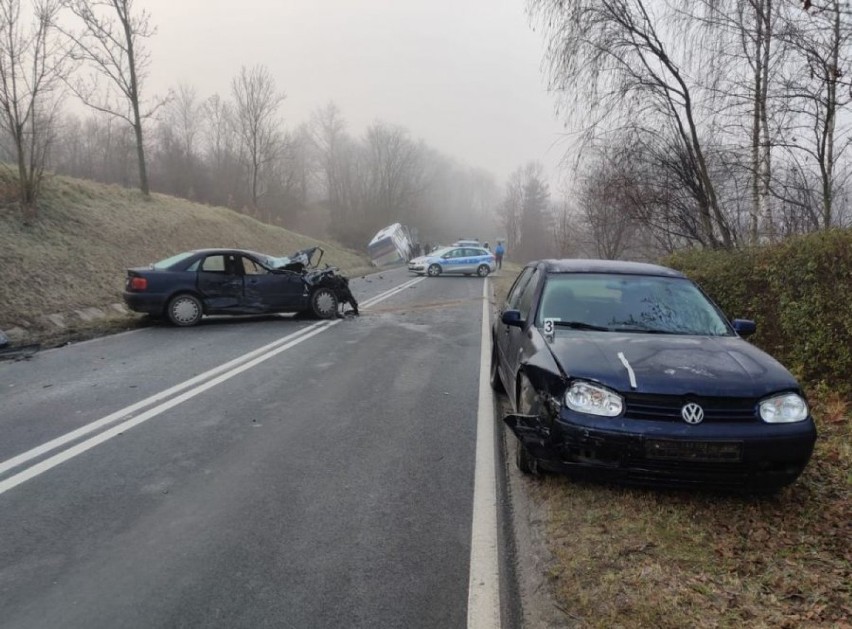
x: 464, y: 260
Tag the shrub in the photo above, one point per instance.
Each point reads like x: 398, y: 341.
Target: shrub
x: 800, y: 294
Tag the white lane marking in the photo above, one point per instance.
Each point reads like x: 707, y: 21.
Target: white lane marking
x: 630, y: 373
x: 126, y: 412
x: 393, y: 291
x: 483, y: 594
x: 157, y: 397
x: 88, y: 444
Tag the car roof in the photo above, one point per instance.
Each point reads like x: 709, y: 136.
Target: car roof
x: 581, y: 265
x: 213, y: 251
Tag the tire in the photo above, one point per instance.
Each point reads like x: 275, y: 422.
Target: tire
x: 184, y: 310
x: 525, y: 462
x: 324, y: 303
x: 529, y: 403
x: 495, y: 379
x: 434, y: 270
x: 483, y: 270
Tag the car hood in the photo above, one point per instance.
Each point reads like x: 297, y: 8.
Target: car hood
x: 671, y: 365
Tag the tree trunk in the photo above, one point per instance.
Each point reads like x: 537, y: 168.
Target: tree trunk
x: 134, y: 101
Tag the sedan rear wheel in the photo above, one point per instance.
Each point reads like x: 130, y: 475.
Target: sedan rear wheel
x: 324, y: 303
x: 184, y: 310
x: 483, y: 270
x: 434, y: 270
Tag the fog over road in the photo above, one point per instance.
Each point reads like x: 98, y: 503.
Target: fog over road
x: 323, y: 482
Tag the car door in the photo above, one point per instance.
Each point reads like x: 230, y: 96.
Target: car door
x: 452, y: 261
x: 519, y: 341
x: 219, y: 283
x: 271, y: 290
x: 468, y: 261
x: 503, y: 332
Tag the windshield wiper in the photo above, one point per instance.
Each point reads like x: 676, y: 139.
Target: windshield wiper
x: 642, y: 329
x: 580, y: 325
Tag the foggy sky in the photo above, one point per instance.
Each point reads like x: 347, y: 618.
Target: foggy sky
x: 463, y: 75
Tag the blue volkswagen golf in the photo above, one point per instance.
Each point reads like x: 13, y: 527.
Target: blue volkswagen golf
x: 466, y: 260
x: 628, y: 370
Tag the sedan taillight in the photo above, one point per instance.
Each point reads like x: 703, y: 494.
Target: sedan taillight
x: 138, y: 283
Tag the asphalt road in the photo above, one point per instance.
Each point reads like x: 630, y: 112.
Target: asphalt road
x: 325, y: 482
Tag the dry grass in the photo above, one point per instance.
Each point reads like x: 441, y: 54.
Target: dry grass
x: 74, y: 253
x: 627, y: 557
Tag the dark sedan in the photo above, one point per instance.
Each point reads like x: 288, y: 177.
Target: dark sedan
x: 628, y: 370
x: 189, y: 285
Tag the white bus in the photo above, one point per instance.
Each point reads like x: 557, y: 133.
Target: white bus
x: 391, y: 245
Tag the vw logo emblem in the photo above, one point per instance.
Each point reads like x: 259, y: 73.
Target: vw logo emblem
x: 692, y: 413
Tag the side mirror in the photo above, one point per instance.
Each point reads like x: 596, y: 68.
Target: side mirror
x: 513, y: 318
x: 744, y: 327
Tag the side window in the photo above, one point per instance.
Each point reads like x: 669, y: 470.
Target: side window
x: 525, y: 301
x: 213, y: 264
x: 518, y: 287
x: 250, y: 267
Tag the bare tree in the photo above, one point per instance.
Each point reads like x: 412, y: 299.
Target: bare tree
x: 256, y: 103
x: 822, y: 38
x: 110, y: 43
x: 177, y: 160
x: 30, y: 69
x: 742, y: 44
x: 511, y: 207
x: 396, y: 180
x: 611, y: 53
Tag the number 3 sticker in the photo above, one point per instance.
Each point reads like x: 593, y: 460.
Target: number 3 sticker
x: 549, y: 326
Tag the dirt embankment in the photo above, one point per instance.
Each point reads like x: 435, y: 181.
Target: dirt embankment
x: 72, y: 256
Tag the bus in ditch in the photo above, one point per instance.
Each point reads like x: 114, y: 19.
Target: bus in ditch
x: 391, y: 245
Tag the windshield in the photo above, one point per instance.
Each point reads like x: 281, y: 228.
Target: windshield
x: 629, y: 303
x: 275, y: 263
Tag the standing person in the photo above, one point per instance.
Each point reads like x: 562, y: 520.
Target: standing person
x: 499, y: 250
x: 486, y: 247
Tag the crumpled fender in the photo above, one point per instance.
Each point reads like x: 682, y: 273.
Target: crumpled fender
x: 544, y: 374
x: 533, y: 430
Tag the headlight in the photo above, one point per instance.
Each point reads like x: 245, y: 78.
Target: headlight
x: 584, y: 397
x: 784, y: 409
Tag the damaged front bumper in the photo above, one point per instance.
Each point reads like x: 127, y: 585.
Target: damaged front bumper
x: 750, y: 457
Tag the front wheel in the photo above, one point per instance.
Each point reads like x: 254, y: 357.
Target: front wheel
x: 525, y: 461
x: 529, y: 403
x: 495, y: 379
x: 483, y: 270
x: 434, y: 270
x: 324, y: 303
x: 184, y: 310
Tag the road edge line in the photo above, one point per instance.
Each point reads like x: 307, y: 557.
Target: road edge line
x: 483, y: 603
